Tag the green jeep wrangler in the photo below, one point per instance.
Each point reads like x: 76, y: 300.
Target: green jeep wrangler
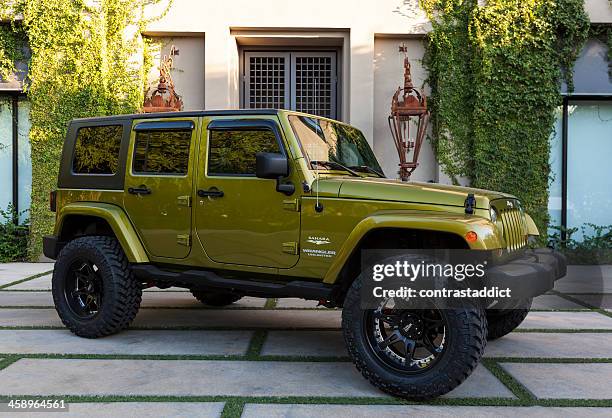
x: 272, y: 204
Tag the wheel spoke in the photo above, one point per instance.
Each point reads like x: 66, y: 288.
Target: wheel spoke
x: 393, y: 319
x: 432, y: 323
x: 79, y: 292
x: 395, y: 337
x: 429, y: 345
x: 410, y: 347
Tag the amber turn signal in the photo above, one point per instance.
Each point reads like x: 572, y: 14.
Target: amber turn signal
x: 471, y: 236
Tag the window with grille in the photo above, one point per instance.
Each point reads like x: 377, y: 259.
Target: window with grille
x: 302, y: 81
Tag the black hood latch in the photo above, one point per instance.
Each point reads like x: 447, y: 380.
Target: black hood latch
x: 470, y: 204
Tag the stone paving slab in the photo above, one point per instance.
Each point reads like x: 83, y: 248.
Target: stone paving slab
x: 298, y: 303
x: 182, y: 378
x: 554, y: 302
x: 600, y: 300
x: 40, y: 377
x: 537, y: 344
x: 564, y: 381
x: 168, y: 318
x: 26, y: 299
x: 401, y: 411
x: 187, y: 300
x: 566, y: 320
x: 304, y: 343
x: 281, y: 319
x: 149, y: 300
x: 127, y: 342
x: 549, y: 345
x: 40, y: 283
x: 10, y: 272
x: 586, y: 279
x: 135, y: 409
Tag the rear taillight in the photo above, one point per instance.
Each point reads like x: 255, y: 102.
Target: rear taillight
x: 53, y: 200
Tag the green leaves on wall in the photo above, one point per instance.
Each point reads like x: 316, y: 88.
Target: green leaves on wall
x: 85, y: 62
x: 495, y: 73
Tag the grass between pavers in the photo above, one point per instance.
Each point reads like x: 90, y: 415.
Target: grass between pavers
x: 585, y: 304
x: 256, y: 344
x: 27, y: 279
x: 238, y: 402
x: 278, y: 358
x: 297, y: 329
x: 7, y: 360
x: 234, y: 404
x: 517, y: 388
x: 270, y: 305
x: 233, y: 408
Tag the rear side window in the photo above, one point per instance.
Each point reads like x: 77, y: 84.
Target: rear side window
x: 233, y: 152
x: 96, y: 150
x: 162, y: 152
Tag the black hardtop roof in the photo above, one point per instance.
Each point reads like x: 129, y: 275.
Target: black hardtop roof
x: 189, y: 113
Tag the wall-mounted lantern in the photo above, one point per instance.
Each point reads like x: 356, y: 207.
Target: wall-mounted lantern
x: 164, y: 98
x: 408, y: 121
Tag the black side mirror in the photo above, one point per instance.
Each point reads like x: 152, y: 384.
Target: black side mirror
x: 270, y: 165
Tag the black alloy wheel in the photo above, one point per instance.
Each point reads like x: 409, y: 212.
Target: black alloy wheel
x: 83, y: 288
x: 408, y: 341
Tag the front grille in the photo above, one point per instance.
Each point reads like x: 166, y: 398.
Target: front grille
x: 515, y: 228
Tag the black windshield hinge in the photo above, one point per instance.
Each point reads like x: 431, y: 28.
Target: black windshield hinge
x: 470, y: 204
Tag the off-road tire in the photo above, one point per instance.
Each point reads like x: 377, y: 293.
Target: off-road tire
x: 122, y: 293
x: 503, y: 323
x: 467, y: 328
x: 216, y: 299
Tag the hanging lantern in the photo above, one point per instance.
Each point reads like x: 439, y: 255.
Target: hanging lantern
x: 164, y: 98
x: 408, y: 121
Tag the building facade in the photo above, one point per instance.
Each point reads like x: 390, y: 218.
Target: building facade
x: 338, y: 59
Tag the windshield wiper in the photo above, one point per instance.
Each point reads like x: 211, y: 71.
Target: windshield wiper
x: 334, y: 164
x: 367, y: 169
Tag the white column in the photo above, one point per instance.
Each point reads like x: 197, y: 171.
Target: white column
x: 220, y: 56
x: 361, y: 82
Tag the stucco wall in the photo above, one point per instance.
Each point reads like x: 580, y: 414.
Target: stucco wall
x: 361, y: 19
x: 366, y: 32
x: 388, y: 76
x: 188, y: 69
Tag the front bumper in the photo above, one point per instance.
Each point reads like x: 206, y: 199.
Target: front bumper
x: 532, y: 274
x: 51, y: 246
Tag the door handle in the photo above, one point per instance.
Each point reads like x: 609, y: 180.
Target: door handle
x: 212, y: 192
x: 142, y: 189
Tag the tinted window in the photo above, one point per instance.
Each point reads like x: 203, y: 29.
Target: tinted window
x: 162, y: 152
x: 323, y: 140
x: 96, y: 150
x: 233, y: 152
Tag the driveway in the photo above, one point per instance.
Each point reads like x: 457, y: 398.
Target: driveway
x: 269, y: 358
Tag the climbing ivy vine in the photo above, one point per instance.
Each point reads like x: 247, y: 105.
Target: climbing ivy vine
x: 83, y: 63
x: 12, y: 41
x: 495, y: 71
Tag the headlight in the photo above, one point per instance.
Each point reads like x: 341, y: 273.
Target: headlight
x: 493, y: 214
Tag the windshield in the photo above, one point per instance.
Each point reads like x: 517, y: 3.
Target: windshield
x: 324, y: 141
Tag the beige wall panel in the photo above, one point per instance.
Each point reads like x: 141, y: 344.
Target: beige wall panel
x: 388, y: 76
x: 188, y: 72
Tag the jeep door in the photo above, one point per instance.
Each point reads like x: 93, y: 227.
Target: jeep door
x: 158, y: 183
x: 242, y: 219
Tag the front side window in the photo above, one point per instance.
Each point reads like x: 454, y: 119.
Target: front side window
x: 96, y: 150
x: 162, y: 152
x: 232, y: 152
x: 325, y: 142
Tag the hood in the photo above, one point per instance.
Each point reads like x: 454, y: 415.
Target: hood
x: 371, y: 188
